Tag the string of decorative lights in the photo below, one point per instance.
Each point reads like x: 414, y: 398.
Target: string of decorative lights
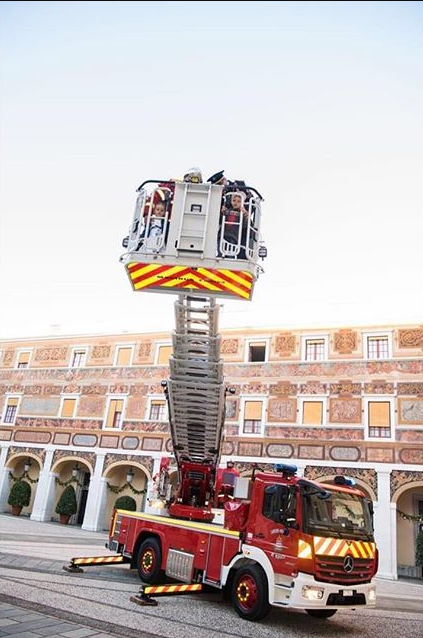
x: 129, y: 478
x: 410, y: 517
x: 25, y: 474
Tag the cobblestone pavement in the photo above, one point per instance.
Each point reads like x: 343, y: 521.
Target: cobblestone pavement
x: 98, y: 601
x: 18, y: 622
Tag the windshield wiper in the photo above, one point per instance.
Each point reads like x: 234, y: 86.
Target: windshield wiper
x: 326, y: 528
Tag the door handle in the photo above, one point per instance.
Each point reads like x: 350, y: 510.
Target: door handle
x: 259, y: 535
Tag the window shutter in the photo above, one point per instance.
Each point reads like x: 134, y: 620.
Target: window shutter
x: 124, y: 356
x: 379, y: 413
x: 116, y: 405
x: 312, y: 412
x: 23, y: 358
x: 68, y: 408
x: 164, y: 354
x: 253, y: 410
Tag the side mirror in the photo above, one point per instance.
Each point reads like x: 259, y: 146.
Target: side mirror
x: 370, y: 506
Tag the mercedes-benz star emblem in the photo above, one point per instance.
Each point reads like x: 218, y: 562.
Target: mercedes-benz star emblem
x: 348, y: 564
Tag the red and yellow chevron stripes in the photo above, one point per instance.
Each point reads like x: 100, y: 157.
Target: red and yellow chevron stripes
x: 304, y: 549
x: 341, y: 547
x: 237, y: 283
x: 98, y: 560
x: 171, y: 589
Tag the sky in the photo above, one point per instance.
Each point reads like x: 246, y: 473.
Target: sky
x: 316, y: 104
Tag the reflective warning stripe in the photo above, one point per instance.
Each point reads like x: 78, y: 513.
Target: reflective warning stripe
x: 236, y: 283
x: 341, y: 547
x: 176, y: 522
x: 171, y: 589
x: 97, y: 560
x: 304, y: 549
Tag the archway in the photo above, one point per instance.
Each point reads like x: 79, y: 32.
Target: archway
x: 25, y: 467
x: 77, y: 472
x: 409, y: 502
x: 125, y: 478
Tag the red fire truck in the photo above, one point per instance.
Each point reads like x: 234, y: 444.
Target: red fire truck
x: 285, y: 541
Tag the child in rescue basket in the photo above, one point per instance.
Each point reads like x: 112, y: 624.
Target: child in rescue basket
x: 150, y: 236
x: 235, y: 214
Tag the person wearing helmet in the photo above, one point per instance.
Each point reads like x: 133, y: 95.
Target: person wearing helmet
x: 225, y: 482
x: 194, y: 176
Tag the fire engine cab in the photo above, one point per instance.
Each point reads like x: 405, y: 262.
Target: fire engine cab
x: 283, y: 541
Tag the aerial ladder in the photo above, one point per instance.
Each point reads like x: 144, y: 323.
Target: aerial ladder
x: 207, y: 247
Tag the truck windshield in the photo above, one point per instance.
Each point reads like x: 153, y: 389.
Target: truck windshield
x: 339, y: 514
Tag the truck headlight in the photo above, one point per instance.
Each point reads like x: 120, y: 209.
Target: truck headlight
x: 312, y: 593
x: 372, y: 595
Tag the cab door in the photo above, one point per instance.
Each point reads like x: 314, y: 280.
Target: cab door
x: 275, y: 529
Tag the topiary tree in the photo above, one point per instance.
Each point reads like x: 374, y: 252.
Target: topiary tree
x: 419, y: 548
x: 67, y: 502
x: 20, y: 494
x: 125, y: 503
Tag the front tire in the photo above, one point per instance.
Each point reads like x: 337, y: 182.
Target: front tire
x: 149, y: 560
x: 250, y: 593
x: 321, y: 613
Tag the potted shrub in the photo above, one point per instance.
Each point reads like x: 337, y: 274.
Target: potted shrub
x: 67, y: 505
x: 19, y: 496
x: 419, y: 550
x: 125, y: 503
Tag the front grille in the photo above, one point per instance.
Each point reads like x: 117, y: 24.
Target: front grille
x: 331, y: 568
x: 340, y: 599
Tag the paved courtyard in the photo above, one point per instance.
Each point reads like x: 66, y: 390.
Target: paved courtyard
x: 40, y: 599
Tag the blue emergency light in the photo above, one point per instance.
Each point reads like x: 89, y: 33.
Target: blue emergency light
x: 344, y: 480
x: 286, y: 470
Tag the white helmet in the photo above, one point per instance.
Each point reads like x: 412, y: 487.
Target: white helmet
x: 193, y: 175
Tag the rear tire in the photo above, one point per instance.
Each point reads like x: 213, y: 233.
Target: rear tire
x: 321, y: 613
x: 250, y: 593
x: 149, y: 560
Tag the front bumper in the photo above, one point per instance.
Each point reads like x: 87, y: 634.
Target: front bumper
x: 333, y: 596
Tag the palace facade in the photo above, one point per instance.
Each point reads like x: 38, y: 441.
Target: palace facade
x: 90, y: 411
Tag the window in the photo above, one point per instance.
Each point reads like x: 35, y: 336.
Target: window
x: 279, y: 504
x: 315, y: 350
x: 163, y: 354
x: 68, y: 408
x: 379, y: 418
x: 114, y: 413
x: 253, y: 411
x: 123, y: 356
x: 11, y: 409
x: 157, y: 410
x: 256, y: 351
x: 312, y: 413
x: 78, y: 358
x: 23, y: 359
x: 377, y: 348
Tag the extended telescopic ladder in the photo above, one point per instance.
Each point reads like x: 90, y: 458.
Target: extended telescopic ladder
x: 195, y: 390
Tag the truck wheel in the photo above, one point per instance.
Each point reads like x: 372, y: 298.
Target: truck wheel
x: 321, y: 613
x: 250, y: 593
x: 149, y: 560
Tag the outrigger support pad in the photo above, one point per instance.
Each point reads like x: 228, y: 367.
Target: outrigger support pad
x: 73, y: 569
x: 93, y: 561
x: 146, y: 592
x: 144, y: 599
